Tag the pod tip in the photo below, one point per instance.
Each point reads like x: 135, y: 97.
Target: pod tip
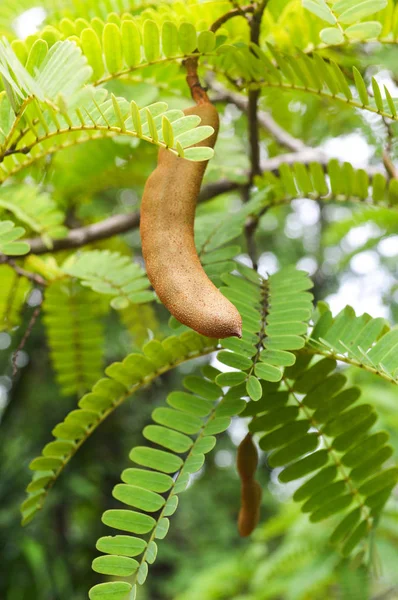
x: 238, y: 331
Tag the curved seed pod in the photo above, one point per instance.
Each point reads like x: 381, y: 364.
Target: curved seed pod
x: 247, y: 458
x: 249, y: 513
x: 167, y: 234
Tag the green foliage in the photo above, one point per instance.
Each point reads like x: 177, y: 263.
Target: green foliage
x: 337, y: 182
x: 273, y: 313
x: 9, y: 239
x: 202, y: 415
x: 141, y: 323
x: 114, y: 50
x: 314, y: 426
x: 111, y: 274
x: 75, y: 335
x: 49, y: 107
x: 35, y: 210
x: 361, y: 341
x: 346, y: 19
x: 116, y: 70
x: 277, y: 70
x: 123, y: 379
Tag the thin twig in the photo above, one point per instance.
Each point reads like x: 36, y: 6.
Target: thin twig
x: 387, y: 160
x: 25, y: 338
x: 37, y: 279
x: 239, y: 11
x: 216, y: 188
x: 250, y: 228
x: 91, y: 233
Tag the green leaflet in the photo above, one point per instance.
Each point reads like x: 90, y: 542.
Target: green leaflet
x: 150, y: 480
x: 138, y: 497
x: 110, y: 591
x: 124, y: 545
x: 139, y: 492
x: 108, y: 393
x: 112, y: 43
x: 9, y: 239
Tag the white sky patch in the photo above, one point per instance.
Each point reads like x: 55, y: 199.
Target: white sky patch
x: 336, y: 213
x: 244, y: 259
x: 389, y: 246
x: 364, y: 262
x: 35, y: 298
x: 5, y: 341
x: 29, y: 22
x: 295, y: 106
x: 267, y: 264
x: 21, y: 359
x: 307, y: 263
x: 294, y: 229
x: 237, y: 430
x: 307, y: 211
x: 352, y: 148
x: 364, y: 294
x: 269, y: 222
x: 358, y: 236
x: 3, y: 398
x: 224, y: 458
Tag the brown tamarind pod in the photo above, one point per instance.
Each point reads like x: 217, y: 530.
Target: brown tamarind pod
x: 249, y: 514
x: 247, y: 458
x: 167, y: 234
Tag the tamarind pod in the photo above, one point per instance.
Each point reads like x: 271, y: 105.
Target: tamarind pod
x: 247, y: 458
x: 249, y: 514
x: 167, y: 235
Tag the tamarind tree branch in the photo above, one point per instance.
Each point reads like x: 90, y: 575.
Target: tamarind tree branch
x: 254, y: 136
x: 90, y: 233
x: 198, y: 93
x: 239, y: 11
x: 387, y: 160
x: 25, y: 337
x: 283, y: 137
x: 37, y: 279
x: 254, y: 95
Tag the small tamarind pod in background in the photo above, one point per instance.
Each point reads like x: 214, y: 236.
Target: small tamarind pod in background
x: 249, y: 513
x: 247, y: 458
x: 167, y: 234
